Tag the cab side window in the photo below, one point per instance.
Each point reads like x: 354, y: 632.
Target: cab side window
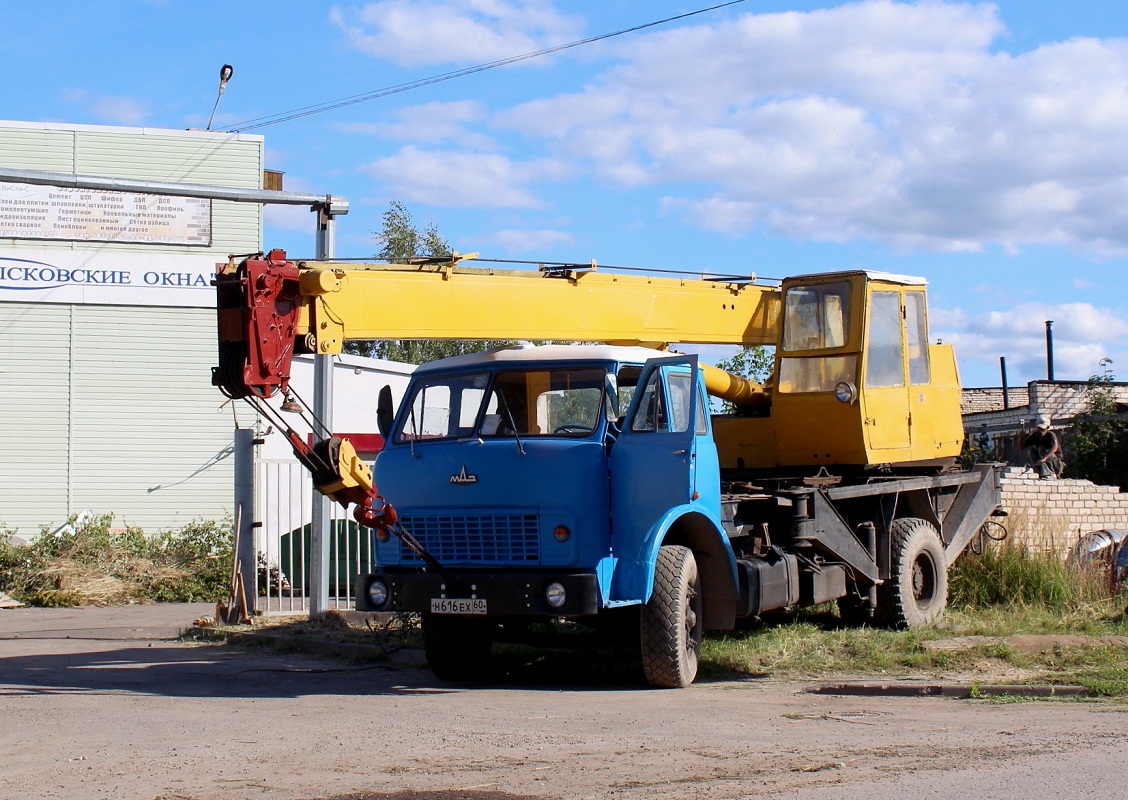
x: 681, y: 398
x: 651, y: 413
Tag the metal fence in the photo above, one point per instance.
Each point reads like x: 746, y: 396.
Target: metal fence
x: 283, y: 506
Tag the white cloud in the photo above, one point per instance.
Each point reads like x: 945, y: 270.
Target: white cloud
x: 528, y: 241
x: 890, y: 122
x: 289, y: 218
x: 415, y: 32
x: 115, y: 110
x: 481, y: 180
x: 1082, y: 335
x: 430, y: 123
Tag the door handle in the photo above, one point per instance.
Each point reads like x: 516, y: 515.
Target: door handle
x: 679, y: 452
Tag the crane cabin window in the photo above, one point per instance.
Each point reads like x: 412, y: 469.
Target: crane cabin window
x: 885, y: 353
x: 917, y: 333
x: 816, y: 317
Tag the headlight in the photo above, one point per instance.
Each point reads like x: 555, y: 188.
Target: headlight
x: 377, y: 593
x: 846, y: 392
x: 556, y: 594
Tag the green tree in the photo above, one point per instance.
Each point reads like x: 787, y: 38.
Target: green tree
x: 401, y: 241
x: 977, y: 449
x: 754, y: 362
x: 1096, y: 446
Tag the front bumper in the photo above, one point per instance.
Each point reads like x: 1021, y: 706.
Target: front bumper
x: 506, y: 594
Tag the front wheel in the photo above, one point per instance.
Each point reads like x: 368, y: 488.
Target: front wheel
x: 672, y: 622
x: 916, y: 593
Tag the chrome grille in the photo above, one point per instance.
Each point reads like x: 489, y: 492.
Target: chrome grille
x: 485, y: 538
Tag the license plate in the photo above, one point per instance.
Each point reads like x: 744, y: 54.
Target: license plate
x: 458, y: 605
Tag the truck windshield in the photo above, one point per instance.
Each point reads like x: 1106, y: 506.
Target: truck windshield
x: 816, y: 317
x: 544, y: 402
x: 564, y: 401
x: 443, y: 407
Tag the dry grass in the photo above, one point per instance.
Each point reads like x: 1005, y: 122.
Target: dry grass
x: 1042, y: 532
x: 101, y: 565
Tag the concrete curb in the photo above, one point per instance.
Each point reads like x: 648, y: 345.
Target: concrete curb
x: 961, y: 691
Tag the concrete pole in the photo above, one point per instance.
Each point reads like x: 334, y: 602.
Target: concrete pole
x: 245, y: 512
x: 321, y: 523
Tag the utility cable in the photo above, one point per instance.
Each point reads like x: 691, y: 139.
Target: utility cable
x: 332, y: 105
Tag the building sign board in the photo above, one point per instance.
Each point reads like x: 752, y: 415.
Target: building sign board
x: 107, y: 278
x: 52, y: 212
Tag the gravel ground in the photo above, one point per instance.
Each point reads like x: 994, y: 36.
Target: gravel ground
x: 105, y: 703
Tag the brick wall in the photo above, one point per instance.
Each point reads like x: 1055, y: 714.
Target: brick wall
x: 978, y: 400
x: 1052, y: 515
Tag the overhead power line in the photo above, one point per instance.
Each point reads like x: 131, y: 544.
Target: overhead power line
x: 332, y: 105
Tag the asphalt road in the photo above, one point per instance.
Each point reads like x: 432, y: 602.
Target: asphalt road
x: 105, y: 703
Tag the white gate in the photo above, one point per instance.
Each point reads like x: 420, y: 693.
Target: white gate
x: 283, y: 504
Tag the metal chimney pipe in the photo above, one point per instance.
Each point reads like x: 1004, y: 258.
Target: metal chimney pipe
x: 1049, y: 349
x: 1003, y: 370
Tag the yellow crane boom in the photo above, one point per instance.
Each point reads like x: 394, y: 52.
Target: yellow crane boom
x: 457, y: 302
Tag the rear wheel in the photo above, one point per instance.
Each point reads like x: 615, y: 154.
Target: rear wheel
x: 457, y: 648
x: 672, y: 622
x: 916, y: 593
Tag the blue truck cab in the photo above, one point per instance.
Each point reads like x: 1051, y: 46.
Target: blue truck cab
x: 559, y: 481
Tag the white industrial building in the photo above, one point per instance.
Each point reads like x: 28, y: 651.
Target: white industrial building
x: 108, y: 327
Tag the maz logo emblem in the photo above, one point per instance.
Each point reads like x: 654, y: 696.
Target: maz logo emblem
x: 463, y: 478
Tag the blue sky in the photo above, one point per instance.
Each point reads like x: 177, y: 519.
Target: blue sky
x: 981, y: 146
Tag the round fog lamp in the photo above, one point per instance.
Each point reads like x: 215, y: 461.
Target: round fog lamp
x: 845, y: 392
x: 556, y: 594
x: 562, y: 533
x: 382, y: 535
x: 377, y: 593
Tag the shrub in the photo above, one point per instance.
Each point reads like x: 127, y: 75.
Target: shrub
x: 1097, y: 445
x: 95, y: 563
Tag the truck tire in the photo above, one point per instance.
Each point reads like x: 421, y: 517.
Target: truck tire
x: 916, y: 593
x: 672, y: 622
x: 457, y: 648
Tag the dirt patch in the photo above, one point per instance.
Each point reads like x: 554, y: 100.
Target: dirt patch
x: 1027, y: 643
x: 455, y: 794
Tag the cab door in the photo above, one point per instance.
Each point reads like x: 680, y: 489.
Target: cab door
x: 652, y: 463
x: 885, y: 390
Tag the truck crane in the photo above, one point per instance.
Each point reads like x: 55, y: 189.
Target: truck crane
x: 592, y: 484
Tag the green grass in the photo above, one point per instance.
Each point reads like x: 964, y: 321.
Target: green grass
x: 1006, y: 591
x: 1011, y: 575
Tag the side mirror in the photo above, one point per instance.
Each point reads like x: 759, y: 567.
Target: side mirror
x: 385, y: 411
x: 611, y: 390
